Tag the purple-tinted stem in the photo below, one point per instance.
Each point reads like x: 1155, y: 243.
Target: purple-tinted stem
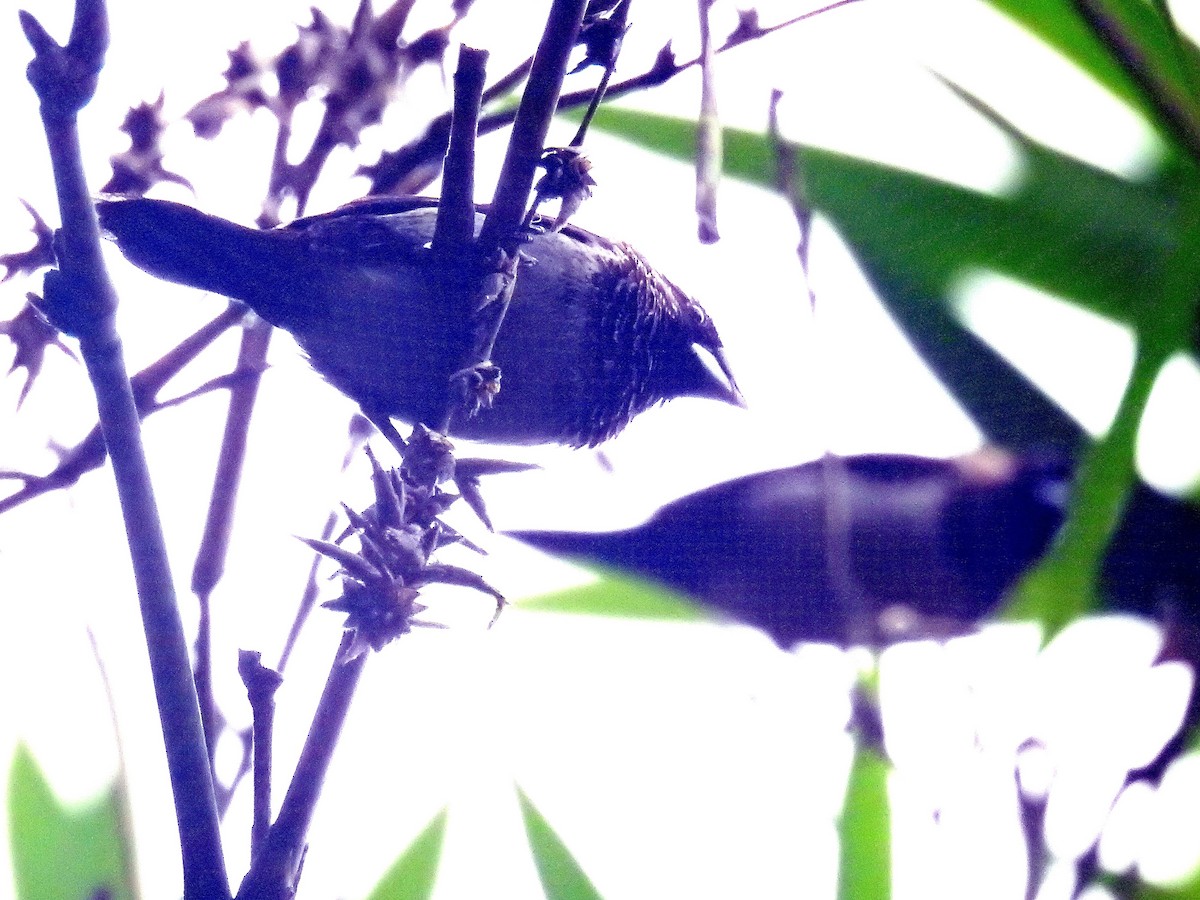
x: 261, y: 684
x: 214, y: 546
x: 455, y: 228
x: 81, y: 300
x: 275, y: 870
x: 532, y: 123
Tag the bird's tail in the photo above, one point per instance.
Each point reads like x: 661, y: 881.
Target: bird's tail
x: 182, y: 244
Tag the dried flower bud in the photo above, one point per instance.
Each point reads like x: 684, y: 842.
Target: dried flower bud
x: 601, y: 34
x: 31, y: 334
x: 477, y: 386
x: 429, y: 459
x: 39, y: 256
x: 244, y: 91
x: 139, y: 168
x: 568, y: 176
x: 397, y: 535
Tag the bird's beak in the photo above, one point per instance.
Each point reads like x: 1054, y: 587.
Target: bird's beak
x: 724, y: 386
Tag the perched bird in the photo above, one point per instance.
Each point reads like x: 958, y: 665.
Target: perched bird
x: 872, y: 549
x: 593, y: 337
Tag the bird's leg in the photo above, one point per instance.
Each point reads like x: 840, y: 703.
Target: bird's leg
x: 383, y: 422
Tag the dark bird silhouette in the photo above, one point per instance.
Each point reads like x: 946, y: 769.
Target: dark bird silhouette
x: 871, y: 549
x: 593, y: 337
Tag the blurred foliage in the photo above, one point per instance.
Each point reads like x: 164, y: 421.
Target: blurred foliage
x: 617, y: 594
x: 561, y: 876
x: 412, y: 875
x: 865, y: 866
x: 65, y: 851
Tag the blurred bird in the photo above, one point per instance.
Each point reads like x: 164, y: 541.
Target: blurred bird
x: 877, y: 548
x: 593, y: 337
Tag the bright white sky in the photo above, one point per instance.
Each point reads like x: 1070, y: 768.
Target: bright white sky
x: 692, y: 761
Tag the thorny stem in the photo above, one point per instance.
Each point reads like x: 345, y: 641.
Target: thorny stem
x: 275, y: 870
x: 82, y: 301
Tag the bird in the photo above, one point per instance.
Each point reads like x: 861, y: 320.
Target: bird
x: 594, y: 335
x: 877, y: 548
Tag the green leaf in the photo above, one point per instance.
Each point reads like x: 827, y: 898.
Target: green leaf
x: 561, y: 876
x: 865, y: 868
x: 63, y: 851
x: 1172, y: 59
x: 1066, y: 582
x: 619, y: 596
x: 1187, y: 888
x: 1071, y: 230
x: 412, y: 875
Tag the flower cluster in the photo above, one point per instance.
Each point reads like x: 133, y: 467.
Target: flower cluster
x: 356, y: 70
x: 139, y: 168
x: 568, y: 177
x: 397, y: 538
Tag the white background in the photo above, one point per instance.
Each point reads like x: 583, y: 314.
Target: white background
x: 695, y: 760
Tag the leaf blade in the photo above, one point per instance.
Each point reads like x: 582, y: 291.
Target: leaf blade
x: 414, y: 872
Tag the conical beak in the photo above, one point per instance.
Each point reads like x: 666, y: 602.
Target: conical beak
x: 726, y: 389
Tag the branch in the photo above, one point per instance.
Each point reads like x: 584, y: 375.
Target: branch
x: 414, y: 166
x: 455, y: 228
x: 209, y: 566
x: 90, y: 453
x: 276, y: 869
x: 530, y: 126
x: 81, y: 301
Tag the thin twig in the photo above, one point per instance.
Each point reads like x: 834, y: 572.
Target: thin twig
x: 359, y: 431
x: 708, y: 137
x: 617, y: 25
x: 261, y: 684
x: 90, y: 452
x: 209, y: 566
x: 455, y: 227
x: 789, y: 181
x: 275, y: 870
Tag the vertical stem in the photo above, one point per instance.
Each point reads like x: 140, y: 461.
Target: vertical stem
x: 532, y: 123
x: 708, y: 137
x: 81, y: 299
x: 455, y: 226
x: 274, y: 872
x: 214, y: 545
x: 261, y: 685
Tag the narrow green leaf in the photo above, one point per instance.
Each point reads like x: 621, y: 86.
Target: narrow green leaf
x: 60, y: 851
x: 1068, y: 228
x: 1171, y: 57
x: 412, y: 875
x: 619, y: 596
x: 561, y: 876
x: 865, y: 868
x: 915, y: 236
